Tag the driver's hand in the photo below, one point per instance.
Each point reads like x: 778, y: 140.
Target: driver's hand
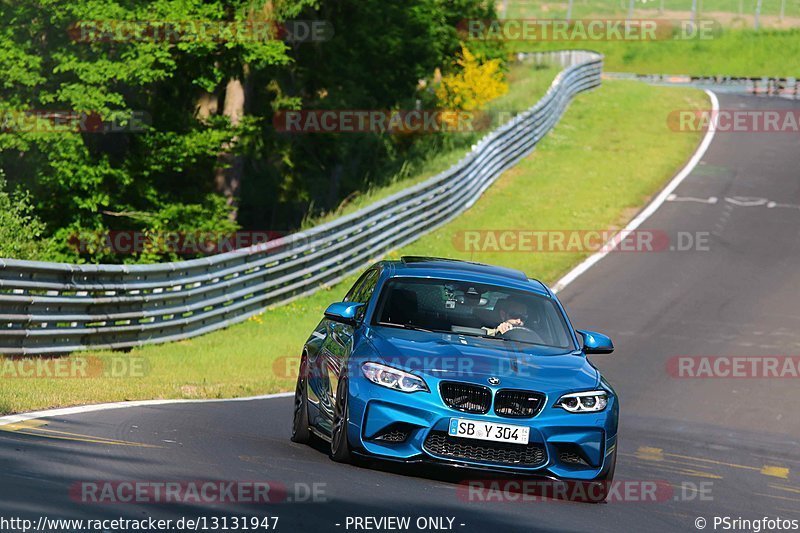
x: 509, y: 325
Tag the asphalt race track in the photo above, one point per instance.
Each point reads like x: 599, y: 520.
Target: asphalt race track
x: 725, y: 447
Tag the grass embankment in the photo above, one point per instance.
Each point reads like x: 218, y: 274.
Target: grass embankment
x: 731, y: 53
x: 736, y: 50
x: 729, y: 13
x: 610, y: 152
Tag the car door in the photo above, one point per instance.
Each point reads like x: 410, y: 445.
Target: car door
x: 337, y: 347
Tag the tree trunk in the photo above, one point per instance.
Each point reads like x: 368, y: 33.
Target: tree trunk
x: 228, y: 174
x: 334, y: 187
x: 206, y: 105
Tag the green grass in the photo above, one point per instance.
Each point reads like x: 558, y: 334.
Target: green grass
x: 732, y: 53
x: 737, y: 50
x: 607, y: 156
x: 619, y: 8
x: 595, y: 170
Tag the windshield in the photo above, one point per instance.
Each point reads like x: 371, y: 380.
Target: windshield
x: 474, y: 309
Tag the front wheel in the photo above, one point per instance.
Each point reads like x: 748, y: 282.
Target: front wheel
x: 300, y: 430
x: 340, y: 445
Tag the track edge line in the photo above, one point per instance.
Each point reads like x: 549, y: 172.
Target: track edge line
x: 651, y: 208
x: 80, y: 409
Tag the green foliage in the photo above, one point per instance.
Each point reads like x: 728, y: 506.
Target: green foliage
x: 21, y: 232
x: 150, y: 130
x: 77, y: 177
x: 380, y: 52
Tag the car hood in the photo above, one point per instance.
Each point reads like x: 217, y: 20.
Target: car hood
x: 456, y: 357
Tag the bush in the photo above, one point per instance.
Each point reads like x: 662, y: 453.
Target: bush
x: 21, y: 231
x: 173, y: 232
x: 475, y: 84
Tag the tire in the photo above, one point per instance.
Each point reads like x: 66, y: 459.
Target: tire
x: 340, y: 444
x: 300, y: 430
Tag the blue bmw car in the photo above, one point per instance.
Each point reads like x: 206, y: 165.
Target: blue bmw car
x: 457, y: 363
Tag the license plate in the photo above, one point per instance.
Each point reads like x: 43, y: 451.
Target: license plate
x: 474, y: 429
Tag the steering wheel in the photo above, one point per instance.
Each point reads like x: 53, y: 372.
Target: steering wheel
x: 523, y: 334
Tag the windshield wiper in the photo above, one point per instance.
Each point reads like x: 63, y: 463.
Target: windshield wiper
x: 495, y: 337
x: 405, y: 326
x: 470, y: 334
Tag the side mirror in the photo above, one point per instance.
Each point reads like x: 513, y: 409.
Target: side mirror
x: 344, y: 312
x: 596, y: 343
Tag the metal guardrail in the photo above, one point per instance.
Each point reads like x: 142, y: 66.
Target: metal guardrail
x: 58, y: 308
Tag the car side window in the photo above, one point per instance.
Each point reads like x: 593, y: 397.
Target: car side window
x: 350, y: 296
x: 362, y: 291
x: 367, y: 289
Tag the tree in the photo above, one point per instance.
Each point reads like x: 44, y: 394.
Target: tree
x: 144, y: 114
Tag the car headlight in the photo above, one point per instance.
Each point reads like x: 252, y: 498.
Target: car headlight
x: 584, y: 402
x: 393, y: 378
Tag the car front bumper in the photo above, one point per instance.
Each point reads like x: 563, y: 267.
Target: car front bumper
x: 561, y: 445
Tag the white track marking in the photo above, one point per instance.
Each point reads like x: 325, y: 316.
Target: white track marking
x: 772, y: 205
x: 739, y: 201
x: 743, y: 201
x: 676, y: 198
x: 647, y: 211
x: 14, y: 419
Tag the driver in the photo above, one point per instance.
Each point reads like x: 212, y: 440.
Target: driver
x: 513, y: 314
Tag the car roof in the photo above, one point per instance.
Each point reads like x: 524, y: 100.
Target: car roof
x: 420, y: 266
